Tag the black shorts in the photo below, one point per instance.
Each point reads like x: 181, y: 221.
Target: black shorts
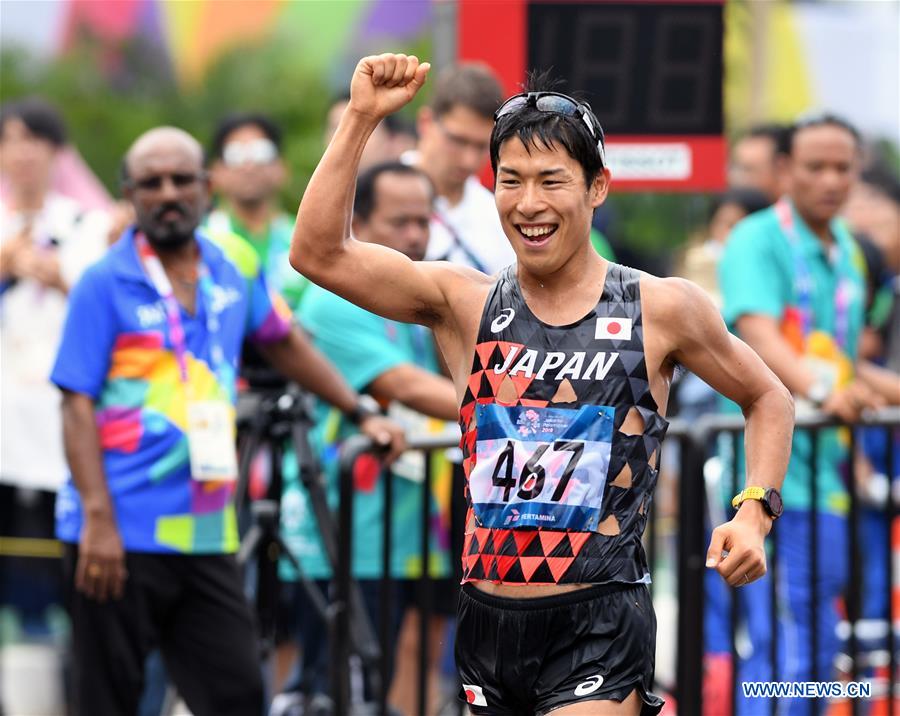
x: 531, y: 656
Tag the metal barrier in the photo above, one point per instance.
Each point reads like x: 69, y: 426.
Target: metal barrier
x: 692, y: 542
x: 692, y: 554
x: 868, y: 642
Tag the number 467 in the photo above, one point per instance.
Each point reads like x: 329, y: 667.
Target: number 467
x: 531, y: 480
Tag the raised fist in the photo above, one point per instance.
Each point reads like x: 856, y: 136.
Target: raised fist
x: 382, y: 84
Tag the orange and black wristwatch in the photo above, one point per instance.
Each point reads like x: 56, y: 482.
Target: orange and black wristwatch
x: 768, y: 496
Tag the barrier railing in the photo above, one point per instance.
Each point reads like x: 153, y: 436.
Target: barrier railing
x: 691, y: 539
x: 870, y: 642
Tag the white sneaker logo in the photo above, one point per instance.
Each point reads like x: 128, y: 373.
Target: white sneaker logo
x: 590, y: 686
x: 503, y: 320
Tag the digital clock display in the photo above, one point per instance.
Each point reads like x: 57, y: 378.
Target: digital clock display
x: 644, y: 68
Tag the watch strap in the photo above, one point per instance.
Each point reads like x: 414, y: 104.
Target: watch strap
x: 749, y: 493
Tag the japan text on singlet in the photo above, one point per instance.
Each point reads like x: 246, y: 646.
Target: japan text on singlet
x: 556, y: 493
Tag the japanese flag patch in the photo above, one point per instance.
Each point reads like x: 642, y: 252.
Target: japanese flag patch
x: 474, y: 695
x: 618, y: 329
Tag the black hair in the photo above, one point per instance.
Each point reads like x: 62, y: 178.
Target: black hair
x: 243, y: 119
x: 750, y: 200
x: 41, y: 118
x: 822, y: 119
x: 533, y: 127
x: 364, y: 201
x: 779, y: 134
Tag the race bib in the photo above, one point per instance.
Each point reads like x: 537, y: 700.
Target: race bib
x: 211, y: 440
x: 541, y: 467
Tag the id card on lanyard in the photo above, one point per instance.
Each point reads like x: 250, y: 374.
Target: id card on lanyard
x: 210, y: 422
x: 824, y: 355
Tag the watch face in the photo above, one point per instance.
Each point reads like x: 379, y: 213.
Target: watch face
x: 773, y: 502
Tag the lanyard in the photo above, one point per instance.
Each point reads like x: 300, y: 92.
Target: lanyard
x: 803, y: 282
x: 458, y: 242
x: 173, y: 311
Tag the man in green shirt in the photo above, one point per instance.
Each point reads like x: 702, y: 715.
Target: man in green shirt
x: 792, y: 287
x: 247, y: 174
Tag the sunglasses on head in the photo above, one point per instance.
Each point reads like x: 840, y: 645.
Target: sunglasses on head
x: 154, y: 182
x: 257, y: 151
x: 556, y: 103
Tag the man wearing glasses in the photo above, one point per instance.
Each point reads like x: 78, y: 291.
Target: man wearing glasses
x: 248, y: 173
x: 147, y: 367
x: 562, y: 365
x: 454, y: 130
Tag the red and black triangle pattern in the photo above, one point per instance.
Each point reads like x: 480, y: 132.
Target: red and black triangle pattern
x: 529, y: 556
x: 542, y: 556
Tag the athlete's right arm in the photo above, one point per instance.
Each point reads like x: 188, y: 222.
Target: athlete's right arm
x: 374, y: 277
x: 100, y: 572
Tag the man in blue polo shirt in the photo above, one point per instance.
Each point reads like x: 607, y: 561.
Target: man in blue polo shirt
x: 792, y: 286
x: 147, y: 368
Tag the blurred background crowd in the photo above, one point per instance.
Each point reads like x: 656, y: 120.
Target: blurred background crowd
x: 262, y: 86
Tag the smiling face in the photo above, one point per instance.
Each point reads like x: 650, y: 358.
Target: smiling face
x: 544, y: 204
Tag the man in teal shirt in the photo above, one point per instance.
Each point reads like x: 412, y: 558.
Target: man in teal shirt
x: 395, y: 363
x: 792, y: 286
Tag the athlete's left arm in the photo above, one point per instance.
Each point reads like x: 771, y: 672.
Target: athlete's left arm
x: 699, y: 340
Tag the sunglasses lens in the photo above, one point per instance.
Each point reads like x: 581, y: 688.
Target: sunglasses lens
x: 557, y: 105
x: 258, y: 151
x: 513, y: 104
x: 182, y: 180
x: 150, y: 183
x: 263, y: 151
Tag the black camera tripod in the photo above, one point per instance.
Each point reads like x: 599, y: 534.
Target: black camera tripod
x: 271, y: 418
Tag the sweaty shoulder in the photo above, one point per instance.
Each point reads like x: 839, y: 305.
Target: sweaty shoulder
x: 675, y: 308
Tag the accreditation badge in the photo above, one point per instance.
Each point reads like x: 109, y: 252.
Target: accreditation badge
x: 211, y: 440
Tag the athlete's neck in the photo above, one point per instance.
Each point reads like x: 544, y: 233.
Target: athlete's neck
x: 255, y: 215
x: 568, y: 293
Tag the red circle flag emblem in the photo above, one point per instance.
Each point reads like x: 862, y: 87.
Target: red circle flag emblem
x: 613, y: 328
x: 474, y: 695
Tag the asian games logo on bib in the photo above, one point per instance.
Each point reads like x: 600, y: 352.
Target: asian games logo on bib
x: 503, y: 320
x: 618, y: 329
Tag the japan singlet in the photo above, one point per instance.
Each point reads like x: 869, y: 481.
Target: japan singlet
x: 556, y: 493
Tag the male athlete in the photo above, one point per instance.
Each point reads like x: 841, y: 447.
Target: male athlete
x: 562, y: 365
